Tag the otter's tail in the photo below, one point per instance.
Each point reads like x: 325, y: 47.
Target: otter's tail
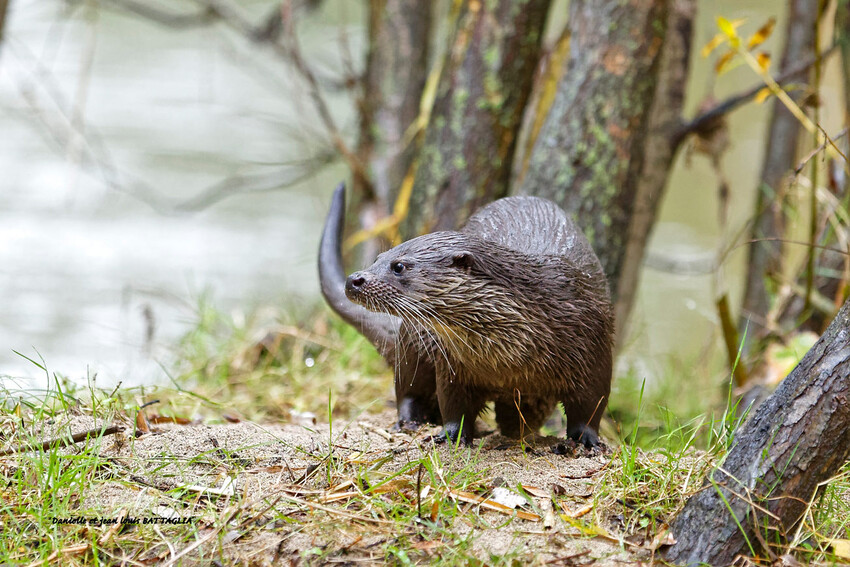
x: 380, y: 329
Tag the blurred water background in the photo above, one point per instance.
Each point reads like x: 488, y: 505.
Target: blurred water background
x: 116, y: 132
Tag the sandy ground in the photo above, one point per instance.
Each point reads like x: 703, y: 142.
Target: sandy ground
x: 276, y: 494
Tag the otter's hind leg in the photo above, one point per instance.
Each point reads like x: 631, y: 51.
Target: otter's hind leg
x: 534, y: 412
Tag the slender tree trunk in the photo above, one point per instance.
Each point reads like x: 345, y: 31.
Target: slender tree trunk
x: 465, y: 159
x: 842, y: 34
x: 797, y: 438
x: 590, y: 152
x: 765, y: 256
x: 4, y: 7
x: 832, y: 271
x: 660, y: 147
x: 396, y: 71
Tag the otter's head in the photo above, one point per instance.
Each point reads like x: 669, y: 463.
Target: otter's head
x: 416, y: 279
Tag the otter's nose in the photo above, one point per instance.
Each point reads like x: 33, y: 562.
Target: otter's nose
x: 355, y: 282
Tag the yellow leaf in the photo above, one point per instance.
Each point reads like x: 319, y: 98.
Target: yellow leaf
x: 729, y: 29
x: 761, y: 35
x: 762, y: 95
x: 712, y: 45
x: 723, y: 61
x: 726, y: 27
x: 763, y: 60
x: 841, y: 548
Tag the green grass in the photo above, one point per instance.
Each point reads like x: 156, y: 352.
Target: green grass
x: 663, y: 446
x: 290, y: 368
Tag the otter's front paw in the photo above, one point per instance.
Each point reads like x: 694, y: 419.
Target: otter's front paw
x: 406, y: 426
x: 454, y: 430
x: 582, y: 434
x: 414, y: 412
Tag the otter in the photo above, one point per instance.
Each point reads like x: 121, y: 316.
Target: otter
x: 513, y: 308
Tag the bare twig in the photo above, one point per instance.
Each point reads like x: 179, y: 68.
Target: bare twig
x: 63, y: 552
x: 289, y: 50
x: 819, y: 149
x: 283, y: 177
x: 61, y: 441
x: 271, y: 27
x: 62, y: 131
x: 169, y: 18
x: 74, y: 150
x: 294, y: 51
x: 279, y: 25
x: 730, y: 339
x: 735, y: 101
x: 813, y: 200
x: 73, y: 137
x: 224, y: 520
x: 789, y: 241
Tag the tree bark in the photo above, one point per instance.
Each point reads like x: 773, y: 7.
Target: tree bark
x: 396, y: 71
x: 4, y: 7
x: 832, y: 268
x: 590, y: 152
x: 660, y: 147
x: 465, y: 160
x: 797, y: 438
x: 765, y: 256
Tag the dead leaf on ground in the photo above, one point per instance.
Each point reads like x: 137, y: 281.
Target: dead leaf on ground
x: 841, y: 548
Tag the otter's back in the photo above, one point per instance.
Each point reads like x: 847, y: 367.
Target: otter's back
x: 533, y: 226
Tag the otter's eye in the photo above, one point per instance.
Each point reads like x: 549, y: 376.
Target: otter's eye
x: 397, y: 268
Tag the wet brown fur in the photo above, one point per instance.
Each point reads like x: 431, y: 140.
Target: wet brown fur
x: 513, y: 308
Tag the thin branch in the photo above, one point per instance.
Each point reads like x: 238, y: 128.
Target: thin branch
x: 80, y: 98
x: 731, y: 341
x: 84, y: 142
x: 62, y: 131
x: 61, y: 441
x: 169, y: 18
x: 280, y: 24
x: 283, y: 177
x: 271, y: 27
x: 294, y: 50
x: 819, y: 149
x: 788, y: 241
x: 735, y: 101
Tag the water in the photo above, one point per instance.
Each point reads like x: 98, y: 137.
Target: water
x: 94, y: 257
x: 89, y: 251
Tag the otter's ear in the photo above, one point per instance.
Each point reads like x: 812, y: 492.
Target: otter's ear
x: 463, y: 261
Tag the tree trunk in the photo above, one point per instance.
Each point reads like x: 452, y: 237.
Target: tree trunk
x: 765, y: 256
x: 797, y: 438
x: 590, y: 152
x: 832, y: 271
x: 465, y: 160
x: 4, y: 7
x: 396, y: 71
x: 661, y: 145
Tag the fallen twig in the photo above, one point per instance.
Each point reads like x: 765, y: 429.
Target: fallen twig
x: 72, y: 550
x: 61, y: 441
x: 492, y: 505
